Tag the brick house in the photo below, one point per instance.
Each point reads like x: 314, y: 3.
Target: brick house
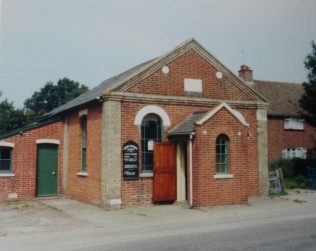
x: 180, y: 127
x: 289, y: 136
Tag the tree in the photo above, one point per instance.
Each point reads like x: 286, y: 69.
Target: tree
x: 10, y: 117
x: 52, y: 96
x: 308, y: 100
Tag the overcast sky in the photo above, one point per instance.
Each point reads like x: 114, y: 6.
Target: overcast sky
x: 91, y: 40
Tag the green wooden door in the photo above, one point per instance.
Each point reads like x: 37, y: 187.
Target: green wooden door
x: 46, y: 170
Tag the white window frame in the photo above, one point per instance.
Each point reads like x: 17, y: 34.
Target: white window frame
x: 294, y: 123
x: 294, y: 152
x: 10, y: 146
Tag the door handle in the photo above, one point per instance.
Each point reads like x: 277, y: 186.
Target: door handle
x: 53, y: 172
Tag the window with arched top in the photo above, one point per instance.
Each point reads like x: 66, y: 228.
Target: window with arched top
x: 151, y: 131
x: 222, y: 154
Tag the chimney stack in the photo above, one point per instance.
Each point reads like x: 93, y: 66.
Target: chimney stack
x: 245, y: 73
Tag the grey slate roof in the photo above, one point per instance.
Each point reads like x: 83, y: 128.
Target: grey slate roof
x: 188, y: 125
x: 283, y: 97
x: 99, y: 90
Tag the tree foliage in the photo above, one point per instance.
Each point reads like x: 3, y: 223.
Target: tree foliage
x: 43, y: 101
x: 52, y: 96
x: 308, y: 100
x: 10, y: 117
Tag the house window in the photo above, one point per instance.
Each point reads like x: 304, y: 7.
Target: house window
x: 294, y: 123
x: 222, y: 154
x: 290, y: 153
x: 83, y: 122
x: 151, y: 131
x: 5, y: 160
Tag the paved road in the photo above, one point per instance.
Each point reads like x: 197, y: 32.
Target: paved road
x: 285, y: 235
x: 287, y: 223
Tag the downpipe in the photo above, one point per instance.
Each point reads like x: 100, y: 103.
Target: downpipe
x: 191, y: 170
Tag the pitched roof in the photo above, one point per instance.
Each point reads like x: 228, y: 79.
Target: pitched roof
x: 34, y: 125
x: 118, y: 80
x: 99, y: 90
x: 216, y: 109
x: 282, y: 96
x: 187, y: 125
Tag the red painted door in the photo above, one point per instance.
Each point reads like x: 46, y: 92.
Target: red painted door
x: 164, y: 183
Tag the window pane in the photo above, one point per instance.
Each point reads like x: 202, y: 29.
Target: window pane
x: 83, y: 121
x: 150, y: 131
x: 84, y: 160
x: 5, y: 154
x: 222, y: 154
x: 217, y: 159
x: 5, y: 165
x: 84, y: 130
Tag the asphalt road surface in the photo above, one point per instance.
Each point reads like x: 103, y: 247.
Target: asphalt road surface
x: 286, y: 235
x: 284, y: 223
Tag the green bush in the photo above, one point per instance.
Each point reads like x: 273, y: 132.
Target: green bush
x: 285, y: 165
x: 301, y: 181
x: 292, y: 167
x: 290, y: 183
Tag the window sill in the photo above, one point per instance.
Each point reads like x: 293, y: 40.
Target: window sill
x: 223, y: 176
x: 7, y: 174
x: 82, y: 174
x: 293, y: 129
x: 146, y: 175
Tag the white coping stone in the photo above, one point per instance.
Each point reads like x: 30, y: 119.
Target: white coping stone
x: 6, y: 144
x: 84, y: 174
x: 146, y: 175
x: 12, y: 196
x: 115, y: 202
x: 223, y: 176
x: 83, y: 112
x: 7, y: 174
x: 152, y: 109
x: 48, y: 141
x: 234, y: 112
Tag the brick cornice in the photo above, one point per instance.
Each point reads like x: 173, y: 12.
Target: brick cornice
x: 148, y: 98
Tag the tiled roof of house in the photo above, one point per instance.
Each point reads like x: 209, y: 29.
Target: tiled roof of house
x: 283, y: 97
x: 188, y: 125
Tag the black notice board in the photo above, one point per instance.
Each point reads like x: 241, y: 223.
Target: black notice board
x: 130, y: 160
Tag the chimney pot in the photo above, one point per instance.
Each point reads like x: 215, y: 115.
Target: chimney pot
x: 245, y: 73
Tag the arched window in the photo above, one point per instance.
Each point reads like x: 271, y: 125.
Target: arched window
x: 222, y: 154
x: 151, y: 132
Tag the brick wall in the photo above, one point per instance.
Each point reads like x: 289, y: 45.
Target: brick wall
x: 189, y: 65
x: 243, y: 160
x: 279, y: 138
x: 87, y: 188
x: 24, y: 156
x: 207, y: 190
x: 140, y: 191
